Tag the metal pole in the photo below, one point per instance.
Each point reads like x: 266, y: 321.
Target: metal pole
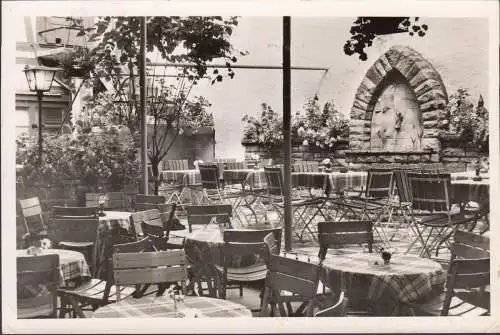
x: 143, y: 109
x: 287, y: 145
x: 241, y: 66
x: 40, y: 140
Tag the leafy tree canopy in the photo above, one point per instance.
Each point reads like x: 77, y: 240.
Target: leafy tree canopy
x: 366, y: 28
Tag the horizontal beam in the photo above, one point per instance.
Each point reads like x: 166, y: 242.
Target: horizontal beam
x: 237, y: 66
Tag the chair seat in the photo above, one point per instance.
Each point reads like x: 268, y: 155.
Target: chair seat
x: 34, y: 307
x: 93, y: 291
x: 458, y: 307
x: 76, y: 245
x: 248, y: 273
x: 442, y: 219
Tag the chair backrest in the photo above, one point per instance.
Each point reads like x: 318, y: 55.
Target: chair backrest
x: 294, y: 276
x: 430, y: 191
x: 254, y: 236
x: 379, y: 183
x: 469, y: 267
x: 470, y: 245
x: 37, y: 283
x: 203, y: 214
x: 73, y: 229
x: 210, y: 175
x: 144, y: 202
x: 149, y: 268
x: 274, y: 180
x: 92, y: 199
x: 176, y: 164
x: 305, y: 166
x: 273, y: 245
x: 332, y: 233
x: 143, y: 245
x: 152, y: 216
x: 402, y: 186
x: 115, y: 200
x: 32, y: 215
x: 86, y: 212
x: 339, y: 309
x: 267, y: 162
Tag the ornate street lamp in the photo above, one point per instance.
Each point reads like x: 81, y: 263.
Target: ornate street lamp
x: 40, y: 80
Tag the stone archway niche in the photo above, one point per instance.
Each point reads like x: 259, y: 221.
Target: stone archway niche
x: 399, y: 106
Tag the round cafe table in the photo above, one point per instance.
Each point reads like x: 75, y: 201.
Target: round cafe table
x: 72, y: 265
x: 386, y: 288
x: 162, y: 307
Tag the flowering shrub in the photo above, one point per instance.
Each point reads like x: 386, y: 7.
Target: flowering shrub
x: 313, y: 126
x: 104, y: 155
x: 320, y: 127
x: 468, y: 121
x: 267, y: 130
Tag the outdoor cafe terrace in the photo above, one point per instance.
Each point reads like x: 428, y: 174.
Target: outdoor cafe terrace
x: 384, y: 212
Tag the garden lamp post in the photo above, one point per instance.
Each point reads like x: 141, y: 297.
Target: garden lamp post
x: 40, y: 80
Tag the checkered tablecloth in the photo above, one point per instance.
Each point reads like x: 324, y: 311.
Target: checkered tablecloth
x: 192, y: 176
x: 163, y: 307
x: 406, y: 279
x: 463, y: 191
x: 115, y: 218
x: 72, y: 264
x: 330, y: 181
x: 253, y: 177
x: 467, y: 175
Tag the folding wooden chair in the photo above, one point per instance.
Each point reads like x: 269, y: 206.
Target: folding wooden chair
x: 468, y: 278
x: 303, y: 210
x: 97, y: 292
x: 433, y: 221
x: 290, y: 281
x: 76, y: 212
x: 205, y: 214
x: 210, y: 183
x: 157, y: 267
x: 239, y: 244
x: 33, y: 219
x: 37, y: 283
x: 78, y: 234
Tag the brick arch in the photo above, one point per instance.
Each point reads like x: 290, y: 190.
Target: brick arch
x: 423, y: 79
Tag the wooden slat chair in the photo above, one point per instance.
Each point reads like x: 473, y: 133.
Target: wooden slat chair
x: 98, y: 292
x: 115, y: 201
x: 78, y: 234
x: 341, y: 234
x: 338, y: 309
x: 373, y: 203
x: 432, y: 217
x: 244, y: 243
x: 32, y: 216
x: 205, y: 214
x: 303, y: 210
x: 290, y: 280
x: 212, y: 191
x: 468, y: 278
x: 148, y: 268
x: 79, y: 212
x: 145, y: 202
x: 130, y: 190
x: 92, y: 199
x: 37, y: 283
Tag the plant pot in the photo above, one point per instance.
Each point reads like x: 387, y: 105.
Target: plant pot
x: 386, y: 256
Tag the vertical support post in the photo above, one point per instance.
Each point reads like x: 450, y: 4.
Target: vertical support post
x: 39, y: 95
x: 287, y: 145
x: 144, y: 130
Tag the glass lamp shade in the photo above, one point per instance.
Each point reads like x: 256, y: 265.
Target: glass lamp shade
x: 40, y: 77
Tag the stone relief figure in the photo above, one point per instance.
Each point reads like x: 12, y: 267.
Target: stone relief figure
x: 398, y: 121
